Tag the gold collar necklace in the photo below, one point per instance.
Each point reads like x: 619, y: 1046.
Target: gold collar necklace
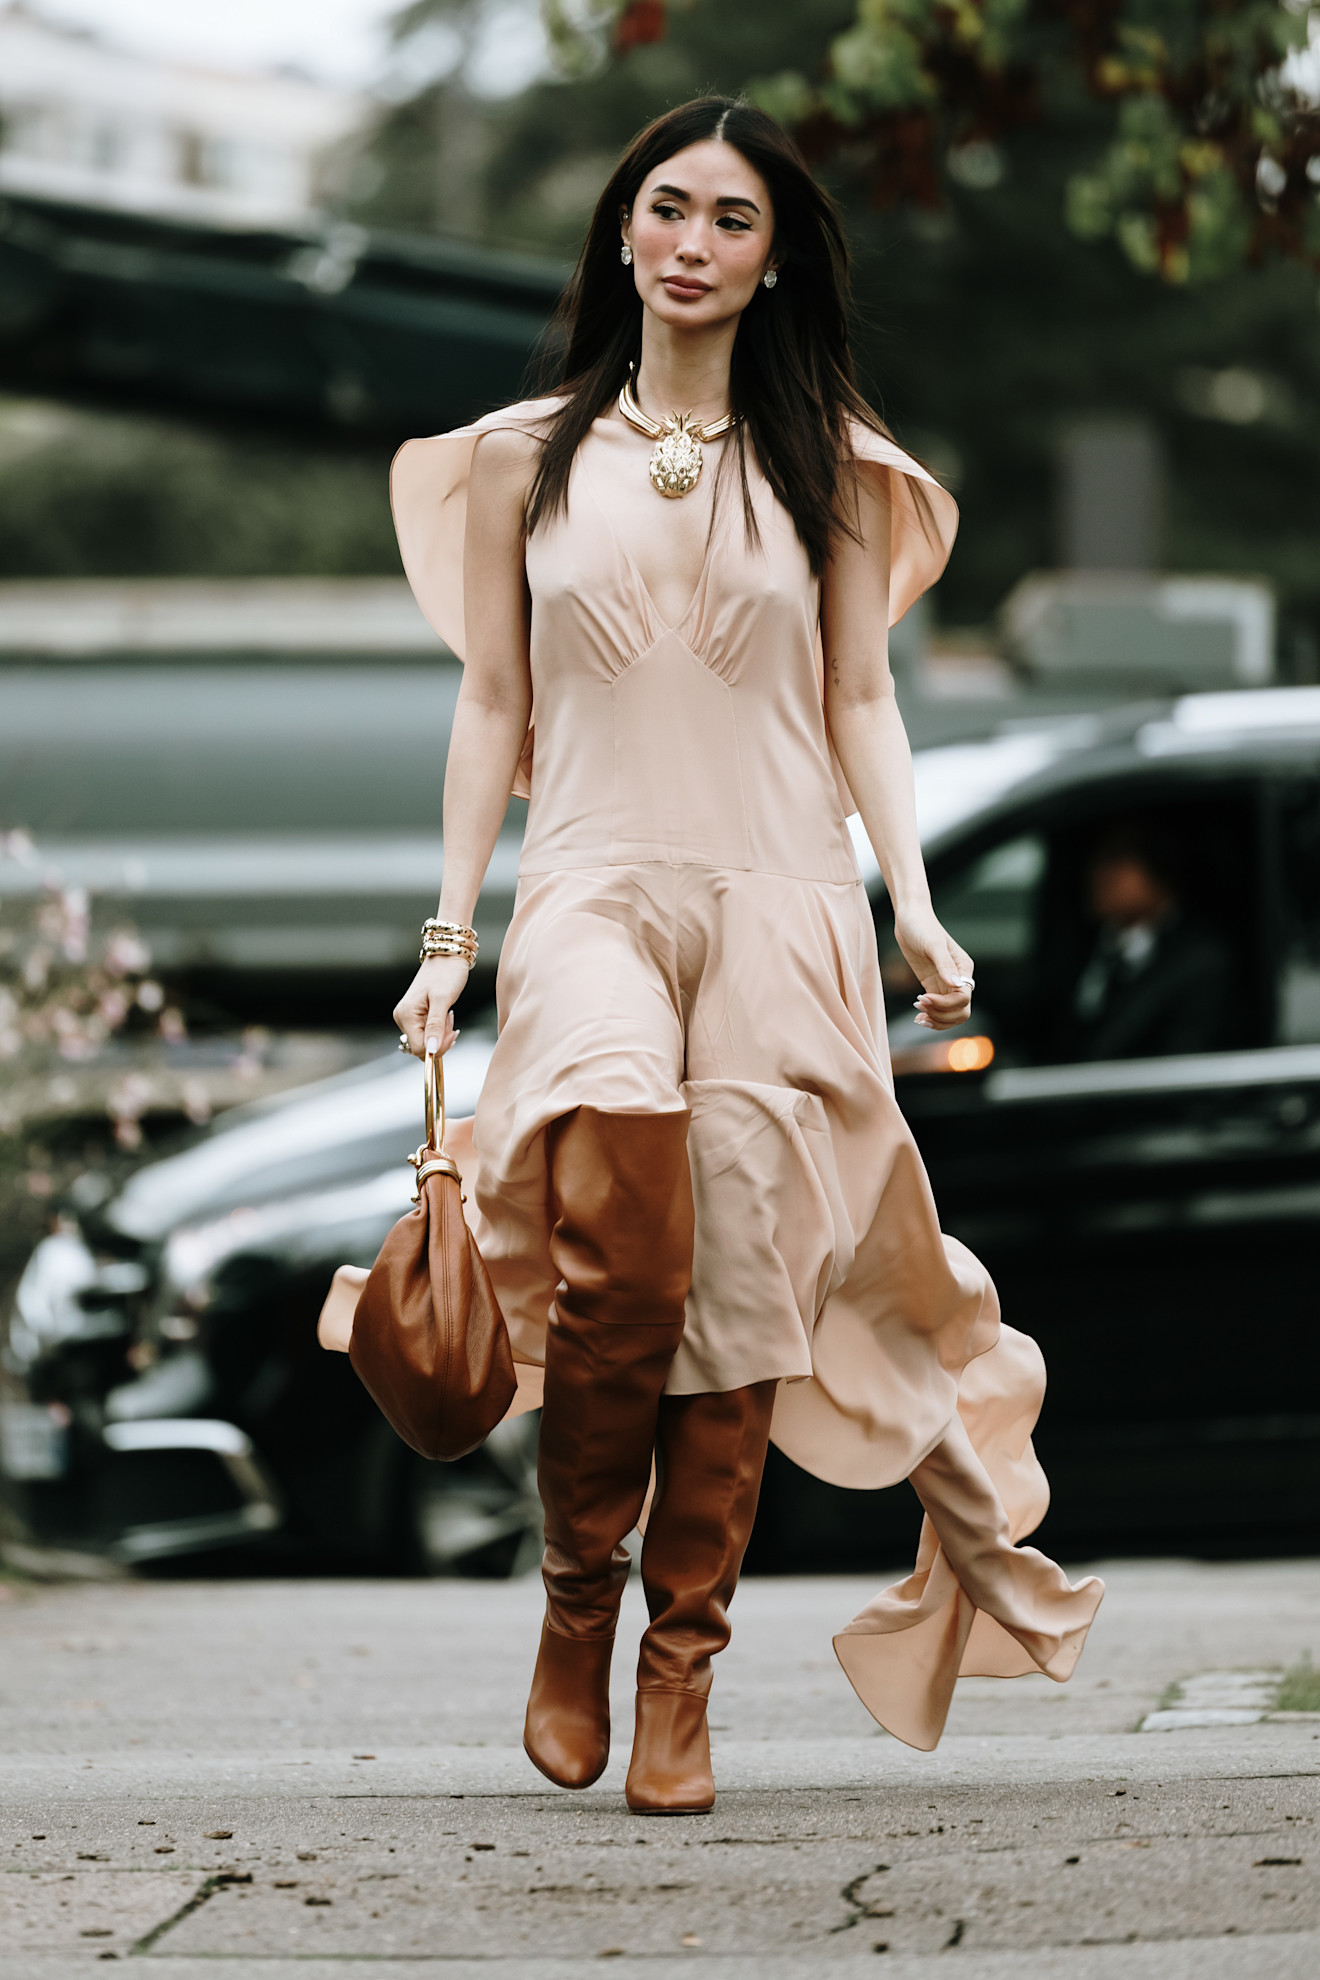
x: 675, y: 466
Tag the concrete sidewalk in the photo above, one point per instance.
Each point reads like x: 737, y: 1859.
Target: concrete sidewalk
x: 295, y: 1778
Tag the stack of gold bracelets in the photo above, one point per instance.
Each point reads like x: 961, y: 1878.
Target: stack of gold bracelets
x: 447, y: 938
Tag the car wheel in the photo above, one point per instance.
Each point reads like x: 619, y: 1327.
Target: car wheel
x: 482, y: 1515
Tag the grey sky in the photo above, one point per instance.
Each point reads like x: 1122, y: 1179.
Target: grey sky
x: 345, y: 41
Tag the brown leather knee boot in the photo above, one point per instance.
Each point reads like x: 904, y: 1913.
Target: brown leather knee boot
x: 622, y: 1245
x: 710, y: 1454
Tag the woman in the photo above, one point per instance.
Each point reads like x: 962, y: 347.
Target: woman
x: 701, y: 1208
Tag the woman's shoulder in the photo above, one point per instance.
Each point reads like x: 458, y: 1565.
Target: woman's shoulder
x: 515, y: 432
x: 426, y: 473
x: 505, y: 453
x: 430, y: 482
x: 527, y: 417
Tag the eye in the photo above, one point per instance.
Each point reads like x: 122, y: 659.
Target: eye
x: 666, y: 210
x: 733, y: 223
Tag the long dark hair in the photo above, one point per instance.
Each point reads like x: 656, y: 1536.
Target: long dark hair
x: 791, y: 377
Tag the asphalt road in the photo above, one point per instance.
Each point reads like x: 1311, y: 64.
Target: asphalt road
x: 304, y: 1780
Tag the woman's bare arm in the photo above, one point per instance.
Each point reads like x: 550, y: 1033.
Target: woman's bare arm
x: 490, y: 718
x: 872, y: 746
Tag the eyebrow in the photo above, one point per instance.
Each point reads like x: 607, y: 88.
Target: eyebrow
x: 725, y: 199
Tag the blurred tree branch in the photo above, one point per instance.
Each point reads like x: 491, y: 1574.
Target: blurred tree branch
x: 1213, y: 158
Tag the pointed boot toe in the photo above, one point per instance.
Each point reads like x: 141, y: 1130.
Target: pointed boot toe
x: 670, y: 1771
x: 567, y: 1731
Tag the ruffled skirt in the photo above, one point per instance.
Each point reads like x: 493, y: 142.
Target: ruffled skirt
x: 753, y: 1002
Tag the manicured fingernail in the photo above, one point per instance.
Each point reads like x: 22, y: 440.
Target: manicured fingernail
x: 432, y: 1045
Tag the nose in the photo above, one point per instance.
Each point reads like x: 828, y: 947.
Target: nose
x: 693, y: 248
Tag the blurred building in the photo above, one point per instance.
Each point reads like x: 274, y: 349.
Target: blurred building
x: 85, y: 121
x: 1112, y: 616
x: 250, y: 770
x: 1109, y: 497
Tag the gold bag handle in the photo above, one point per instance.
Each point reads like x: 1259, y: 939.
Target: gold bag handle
x: 431, y: 1159
x: 434, y: 1075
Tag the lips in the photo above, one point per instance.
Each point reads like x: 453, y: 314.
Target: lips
x: 684, y: 285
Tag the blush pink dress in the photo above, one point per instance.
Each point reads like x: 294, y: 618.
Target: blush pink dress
x: 691, y: 934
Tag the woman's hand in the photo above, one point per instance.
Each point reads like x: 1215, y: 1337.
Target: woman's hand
x: 425, y: 1010
x: 938, y: 963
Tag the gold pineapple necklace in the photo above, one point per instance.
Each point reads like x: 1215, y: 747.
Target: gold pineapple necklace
x: 675, y: 466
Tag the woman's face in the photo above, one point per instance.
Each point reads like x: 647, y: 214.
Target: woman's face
x: 701, y: 230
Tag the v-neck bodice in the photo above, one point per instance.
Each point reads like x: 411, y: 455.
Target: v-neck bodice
x: 700, y: 741
x: 667, y: 544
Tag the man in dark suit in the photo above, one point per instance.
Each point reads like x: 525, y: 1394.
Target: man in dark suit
x: 1158, y: 980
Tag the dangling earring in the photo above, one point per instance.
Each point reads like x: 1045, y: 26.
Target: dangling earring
x: 770, y: 277
x: 625, y: 255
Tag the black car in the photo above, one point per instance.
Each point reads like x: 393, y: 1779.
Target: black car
x: 1152, y: 1218
x: 1128, y: 1136
x: 164, y: 1392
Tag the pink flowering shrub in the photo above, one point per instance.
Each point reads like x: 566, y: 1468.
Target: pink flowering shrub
x: 69, y: 988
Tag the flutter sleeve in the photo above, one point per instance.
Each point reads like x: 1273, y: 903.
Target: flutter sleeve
x: 428, y: 494
x: 923, y: 517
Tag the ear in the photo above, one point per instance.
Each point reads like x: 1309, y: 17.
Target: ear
x: 625, y: 222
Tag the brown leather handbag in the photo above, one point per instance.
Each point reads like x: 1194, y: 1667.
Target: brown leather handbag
x: 429, y: 1341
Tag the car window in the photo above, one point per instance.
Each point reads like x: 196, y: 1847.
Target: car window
x: 1123, y: 927
x: 1150, y: 929
x: 990, y: 902
x: 990, y: 906
x: 1299, y: 972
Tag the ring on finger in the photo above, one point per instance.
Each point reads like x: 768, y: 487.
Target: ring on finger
x: 403, y: 1045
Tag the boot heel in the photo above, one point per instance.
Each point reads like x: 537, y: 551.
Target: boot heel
x: 567, y: 1732
x: 670, y: 1772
